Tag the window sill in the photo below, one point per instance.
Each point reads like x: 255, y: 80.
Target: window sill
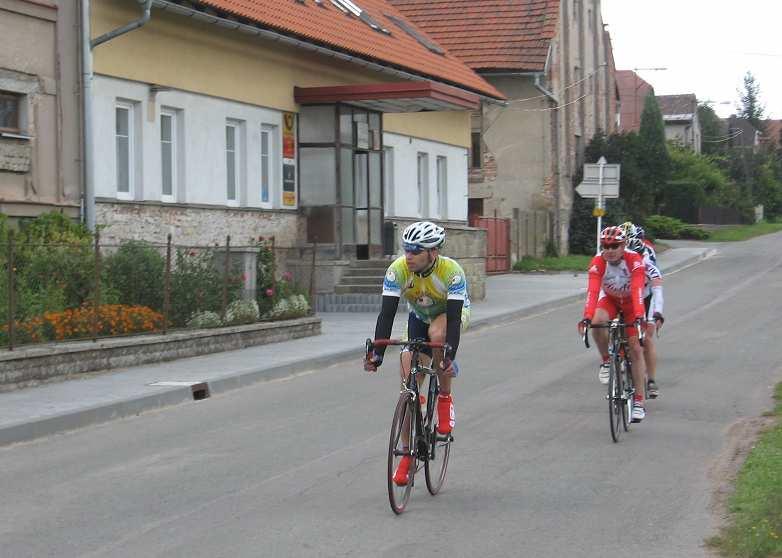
x: 14, y: 135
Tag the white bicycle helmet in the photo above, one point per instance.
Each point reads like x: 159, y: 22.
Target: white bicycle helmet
x: 635, y: 244
x: 424, y: 234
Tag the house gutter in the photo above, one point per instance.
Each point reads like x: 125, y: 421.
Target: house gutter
x: 274, y: 36
x: 88, y: 156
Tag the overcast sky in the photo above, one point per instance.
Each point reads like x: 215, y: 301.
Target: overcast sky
x: 706, y: 45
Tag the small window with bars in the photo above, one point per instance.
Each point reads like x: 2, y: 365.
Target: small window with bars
x: 10, y: 108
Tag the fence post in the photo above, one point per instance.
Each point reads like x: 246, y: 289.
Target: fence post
x: 11, y: 301
x: 226, y: 269
x: 96, y: 297
x: 312, y: 274
x: 274, y: 266
x: 167, y: 286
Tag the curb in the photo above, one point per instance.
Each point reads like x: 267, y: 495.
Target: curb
x: 32, y: 430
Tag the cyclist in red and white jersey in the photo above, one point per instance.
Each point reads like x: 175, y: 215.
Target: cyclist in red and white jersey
x: 653, y: 302
x: 616, y: 282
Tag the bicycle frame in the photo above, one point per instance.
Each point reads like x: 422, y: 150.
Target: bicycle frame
x: 424, y: 428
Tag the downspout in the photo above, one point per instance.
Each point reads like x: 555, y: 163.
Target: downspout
x: 87, y: 110
x: 555, y: 116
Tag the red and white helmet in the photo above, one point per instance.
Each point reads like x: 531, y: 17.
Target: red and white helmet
x: 612, y: 235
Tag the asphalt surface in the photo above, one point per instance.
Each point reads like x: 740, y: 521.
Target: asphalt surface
x: 295, y: 466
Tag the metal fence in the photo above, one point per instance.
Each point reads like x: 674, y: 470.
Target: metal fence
x: 54, y: 291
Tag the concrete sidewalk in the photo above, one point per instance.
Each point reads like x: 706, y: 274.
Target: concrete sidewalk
x: 35, y: 412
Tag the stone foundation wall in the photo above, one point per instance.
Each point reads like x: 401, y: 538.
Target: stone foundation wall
x: 195, y: 225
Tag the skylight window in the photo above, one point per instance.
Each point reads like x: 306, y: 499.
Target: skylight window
x: 349, y: 7
x: 403, y: 25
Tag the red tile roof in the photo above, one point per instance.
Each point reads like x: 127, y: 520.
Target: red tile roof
x: 328, y: 26
x: 489, y: 34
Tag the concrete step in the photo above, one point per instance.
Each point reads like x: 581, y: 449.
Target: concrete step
x: 359, y: 270
x: 370, y: 264
x: 362, y: 280
x: 352, y: 303
x: 357, y: 289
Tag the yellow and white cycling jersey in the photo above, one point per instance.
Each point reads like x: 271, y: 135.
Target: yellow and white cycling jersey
x: 427, y: 295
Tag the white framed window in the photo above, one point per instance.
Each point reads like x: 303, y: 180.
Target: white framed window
x: 124, y: 137
x: 232, y: 162
x: 423, y: 184
x: 168, y: 154
x: 442, y: 187
x: 269, y: 164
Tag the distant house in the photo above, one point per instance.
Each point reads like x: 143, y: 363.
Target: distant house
x: 680, y: 114
x: 39, y: 109
x: 632, y: 92
x: 772, y: 134
x: 552, y: 60
x: 739, y: 132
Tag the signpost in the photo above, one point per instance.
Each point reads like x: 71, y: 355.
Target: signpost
x: 601, y: 181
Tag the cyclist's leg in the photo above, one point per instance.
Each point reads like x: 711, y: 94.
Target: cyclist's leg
x: 416, y: 329
x: 445, y: 411
x: 637, y: 359
x: 607, y: 309
x: 650, y: 347
x: 437, y: 330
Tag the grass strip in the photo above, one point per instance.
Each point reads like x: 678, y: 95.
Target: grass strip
x: 743, y: 232
x: 755, y: 529
x: 562, y: 263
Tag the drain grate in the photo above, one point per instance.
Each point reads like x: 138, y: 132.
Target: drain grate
x: 200, y: 389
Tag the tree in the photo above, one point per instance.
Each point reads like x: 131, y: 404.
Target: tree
x: 750, y: 106
x: 654, y: 162
x: 711, y: 130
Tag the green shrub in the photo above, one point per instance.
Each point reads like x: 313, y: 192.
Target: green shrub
x: 137, y: 272
x: 51, y: 278
x: 242, y: 312
x: 660, y: 226
x: 197, y: 285
x: 203, y: 320
x: 294, y: 306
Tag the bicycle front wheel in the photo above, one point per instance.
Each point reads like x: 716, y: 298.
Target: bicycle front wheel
x: 629, y: 391
x: 439, y: 448
x: 401, y: 443
x: 615, y: 399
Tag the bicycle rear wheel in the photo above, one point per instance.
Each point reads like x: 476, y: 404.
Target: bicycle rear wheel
x: 615, y: 399
x: 403, y: 426
x: 439, y: 448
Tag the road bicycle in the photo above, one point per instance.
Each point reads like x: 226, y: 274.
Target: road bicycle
x: 414, y: 426
x: 621, y: 388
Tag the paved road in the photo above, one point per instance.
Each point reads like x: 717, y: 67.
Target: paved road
x: 295, y: 466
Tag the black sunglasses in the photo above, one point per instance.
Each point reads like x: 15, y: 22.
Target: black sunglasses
x: 611, y: 246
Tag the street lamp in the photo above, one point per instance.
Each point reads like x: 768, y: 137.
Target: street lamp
x: 636, y: 118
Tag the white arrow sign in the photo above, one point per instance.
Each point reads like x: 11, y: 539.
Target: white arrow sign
x: 593, y: 190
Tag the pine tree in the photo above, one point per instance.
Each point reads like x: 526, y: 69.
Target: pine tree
x: 711, y: 130
x: 751, y: 107
x: 653, y: 158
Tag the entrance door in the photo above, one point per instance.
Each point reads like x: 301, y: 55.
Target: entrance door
x: 368, y: 184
